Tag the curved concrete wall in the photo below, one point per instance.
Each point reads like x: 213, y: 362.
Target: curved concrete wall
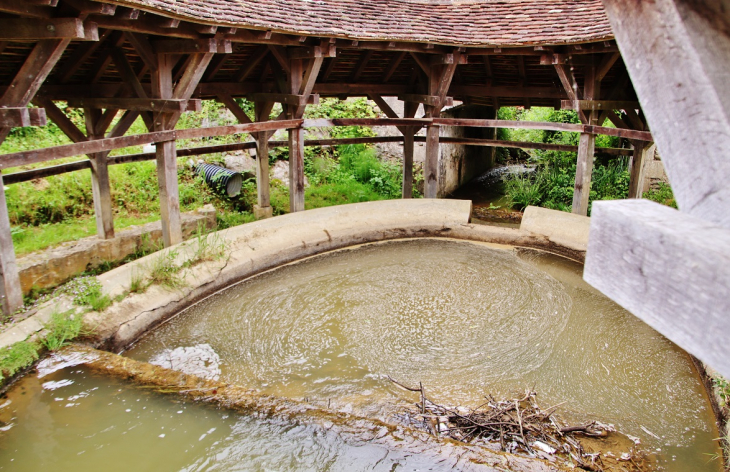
x: 256, y: 247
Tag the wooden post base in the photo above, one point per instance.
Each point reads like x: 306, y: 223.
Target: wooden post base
x: 262, y: 212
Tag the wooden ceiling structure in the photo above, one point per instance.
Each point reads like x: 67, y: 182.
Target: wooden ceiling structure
x: 122, y: 59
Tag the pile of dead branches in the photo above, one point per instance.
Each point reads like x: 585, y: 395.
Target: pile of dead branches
x: 518, y: 426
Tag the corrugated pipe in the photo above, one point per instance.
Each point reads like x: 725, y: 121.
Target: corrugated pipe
x: 220, y: 179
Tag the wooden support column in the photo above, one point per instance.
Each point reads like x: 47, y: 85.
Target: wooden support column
x: 100, y: 185
x: 166, y: 155
x: 11, y: 295
x: 439, y: 81
x: 638, y: 161
x: 263, y: 209
x: 301, y: 80
x: 409, y: 135
x: 586, y: 148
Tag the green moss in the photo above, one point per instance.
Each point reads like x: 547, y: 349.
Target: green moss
x: 17, y: 357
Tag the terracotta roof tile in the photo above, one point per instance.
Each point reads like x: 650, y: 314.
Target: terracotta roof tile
x: 467, y: 22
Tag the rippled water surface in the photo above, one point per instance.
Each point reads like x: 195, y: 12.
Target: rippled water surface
x: 465, y: 320
x: 73, y: 421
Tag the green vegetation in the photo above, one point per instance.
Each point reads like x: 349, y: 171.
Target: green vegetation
x: 17, y: 357
x: 662, y: 194
x: 46, y: 212
x: 63, y: 328
x: 552, y: 183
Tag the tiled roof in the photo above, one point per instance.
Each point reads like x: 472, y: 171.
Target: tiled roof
x: 466, y: 22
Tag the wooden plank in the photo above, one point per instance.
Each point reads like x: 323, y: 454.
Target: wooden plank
x: 37, y: 116
x: 11, y: 295
x: 148, y: 24
x: 26, y: 9
x: 157, y: 105
x: 669, y: 268
x: 23, y: 29
x: 598, y: 105
x: 192, y: 46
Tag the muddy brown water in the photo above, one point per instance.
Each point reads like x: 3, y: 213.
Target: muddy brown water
x: 464, y: 319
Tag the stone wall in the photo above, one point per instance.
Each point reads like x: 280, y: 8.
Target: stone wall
x: 57, y: 265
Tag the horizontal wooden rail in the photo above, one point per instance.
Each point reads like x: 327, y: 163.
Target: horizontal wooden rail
x: 107, y: 144
x: 28, y: 175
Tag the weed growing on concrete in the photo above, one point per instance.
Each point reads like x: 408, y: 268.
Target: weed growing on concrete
x: 62, y: 328
x: 87, y: 291
x: 208, y: 247
x: 164, y: 271
x: 136, y: 285
x: 16, y: 357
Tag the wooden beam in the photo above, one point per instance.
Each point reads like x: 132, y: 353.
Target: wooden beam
x: 311, y: 52
x: 26, y: 9
x: 23, y: 29
x: 144, y: 49
x: 431, y: 100
x: 21, y: 117
x: 192, y: 46
x: 669, y: 268
x: 185, y: 87
x: 31, y: 75
x: 284, y: 98
x: 80, y: 55
x: 599, y: 105
x: 422, y: 63
x: 360, y: 66
x: 147, y: 24
x: 91, y: 8
x: 281, y: 56
x: 263, y: 209
x: 251, y: 63
x: 393, y: 66
x: 61, y: 120
x: 107, y: 144
x: 431, y: 164
x: 506, y: 92
x: 100, y: 184
x: 158, y: 105
x: 608, y: 61
x: 642, y: 152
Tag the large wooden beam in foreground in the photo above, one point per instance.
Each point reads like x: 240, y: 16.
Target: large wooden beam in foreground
x: 668, y: 268
x: 678, y: 55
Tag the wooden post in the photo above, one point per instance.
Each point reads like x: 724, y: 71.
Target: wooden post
x: 11, y: 295
x: 100, y: 185
x: 296, y: 169
x: 263, y: 209
x: 408, y: 146
x: 586, y: 148
x: 431, y: 166
x: 638, y: 161
x: 166, y: 158
x: 583, y: 173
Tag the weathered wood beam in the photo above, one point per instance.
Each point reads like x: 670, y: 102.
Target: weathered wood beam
x: 586, y: 148
x: 23, y: 29
x: 100, y: 184
x: 608, y: 61
x: 59, y: 117
x: 599, y: 105
x: 507, y: 92
x: 158, y: 105
x: 311, y: 52
x: 22, y: 117
x: 107, y: 144
x: 393, y: 66
x: 128, y: 75
x: 360, y: 66
x: 91, y: 8
x: 422, y: 63
x: 669, y: 268
x: 80, y: 55
x: 409, y: 111
x: 234, y: 108
x: 251, y: 63
x: 32, y: 74
x: 642, y: 152
x: 284, y: 98
x: 190, y: 79
x: 263, y: 209
x: 126, y: 13
x: 146, y: 24
x: 27, y: 9
x: 192, y: 46
x: 281, y: 56
x: 140, y: 44
x: 430, y: 100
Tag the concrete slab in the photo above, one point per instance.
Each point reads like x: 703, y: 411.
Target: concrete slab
x: 564, y: 229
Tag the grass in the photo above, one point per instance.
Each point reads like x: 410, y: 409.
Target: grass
x: 662, y: 194
x: 17, y: 357
x: 163, y: 271
x: 62, y: 328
